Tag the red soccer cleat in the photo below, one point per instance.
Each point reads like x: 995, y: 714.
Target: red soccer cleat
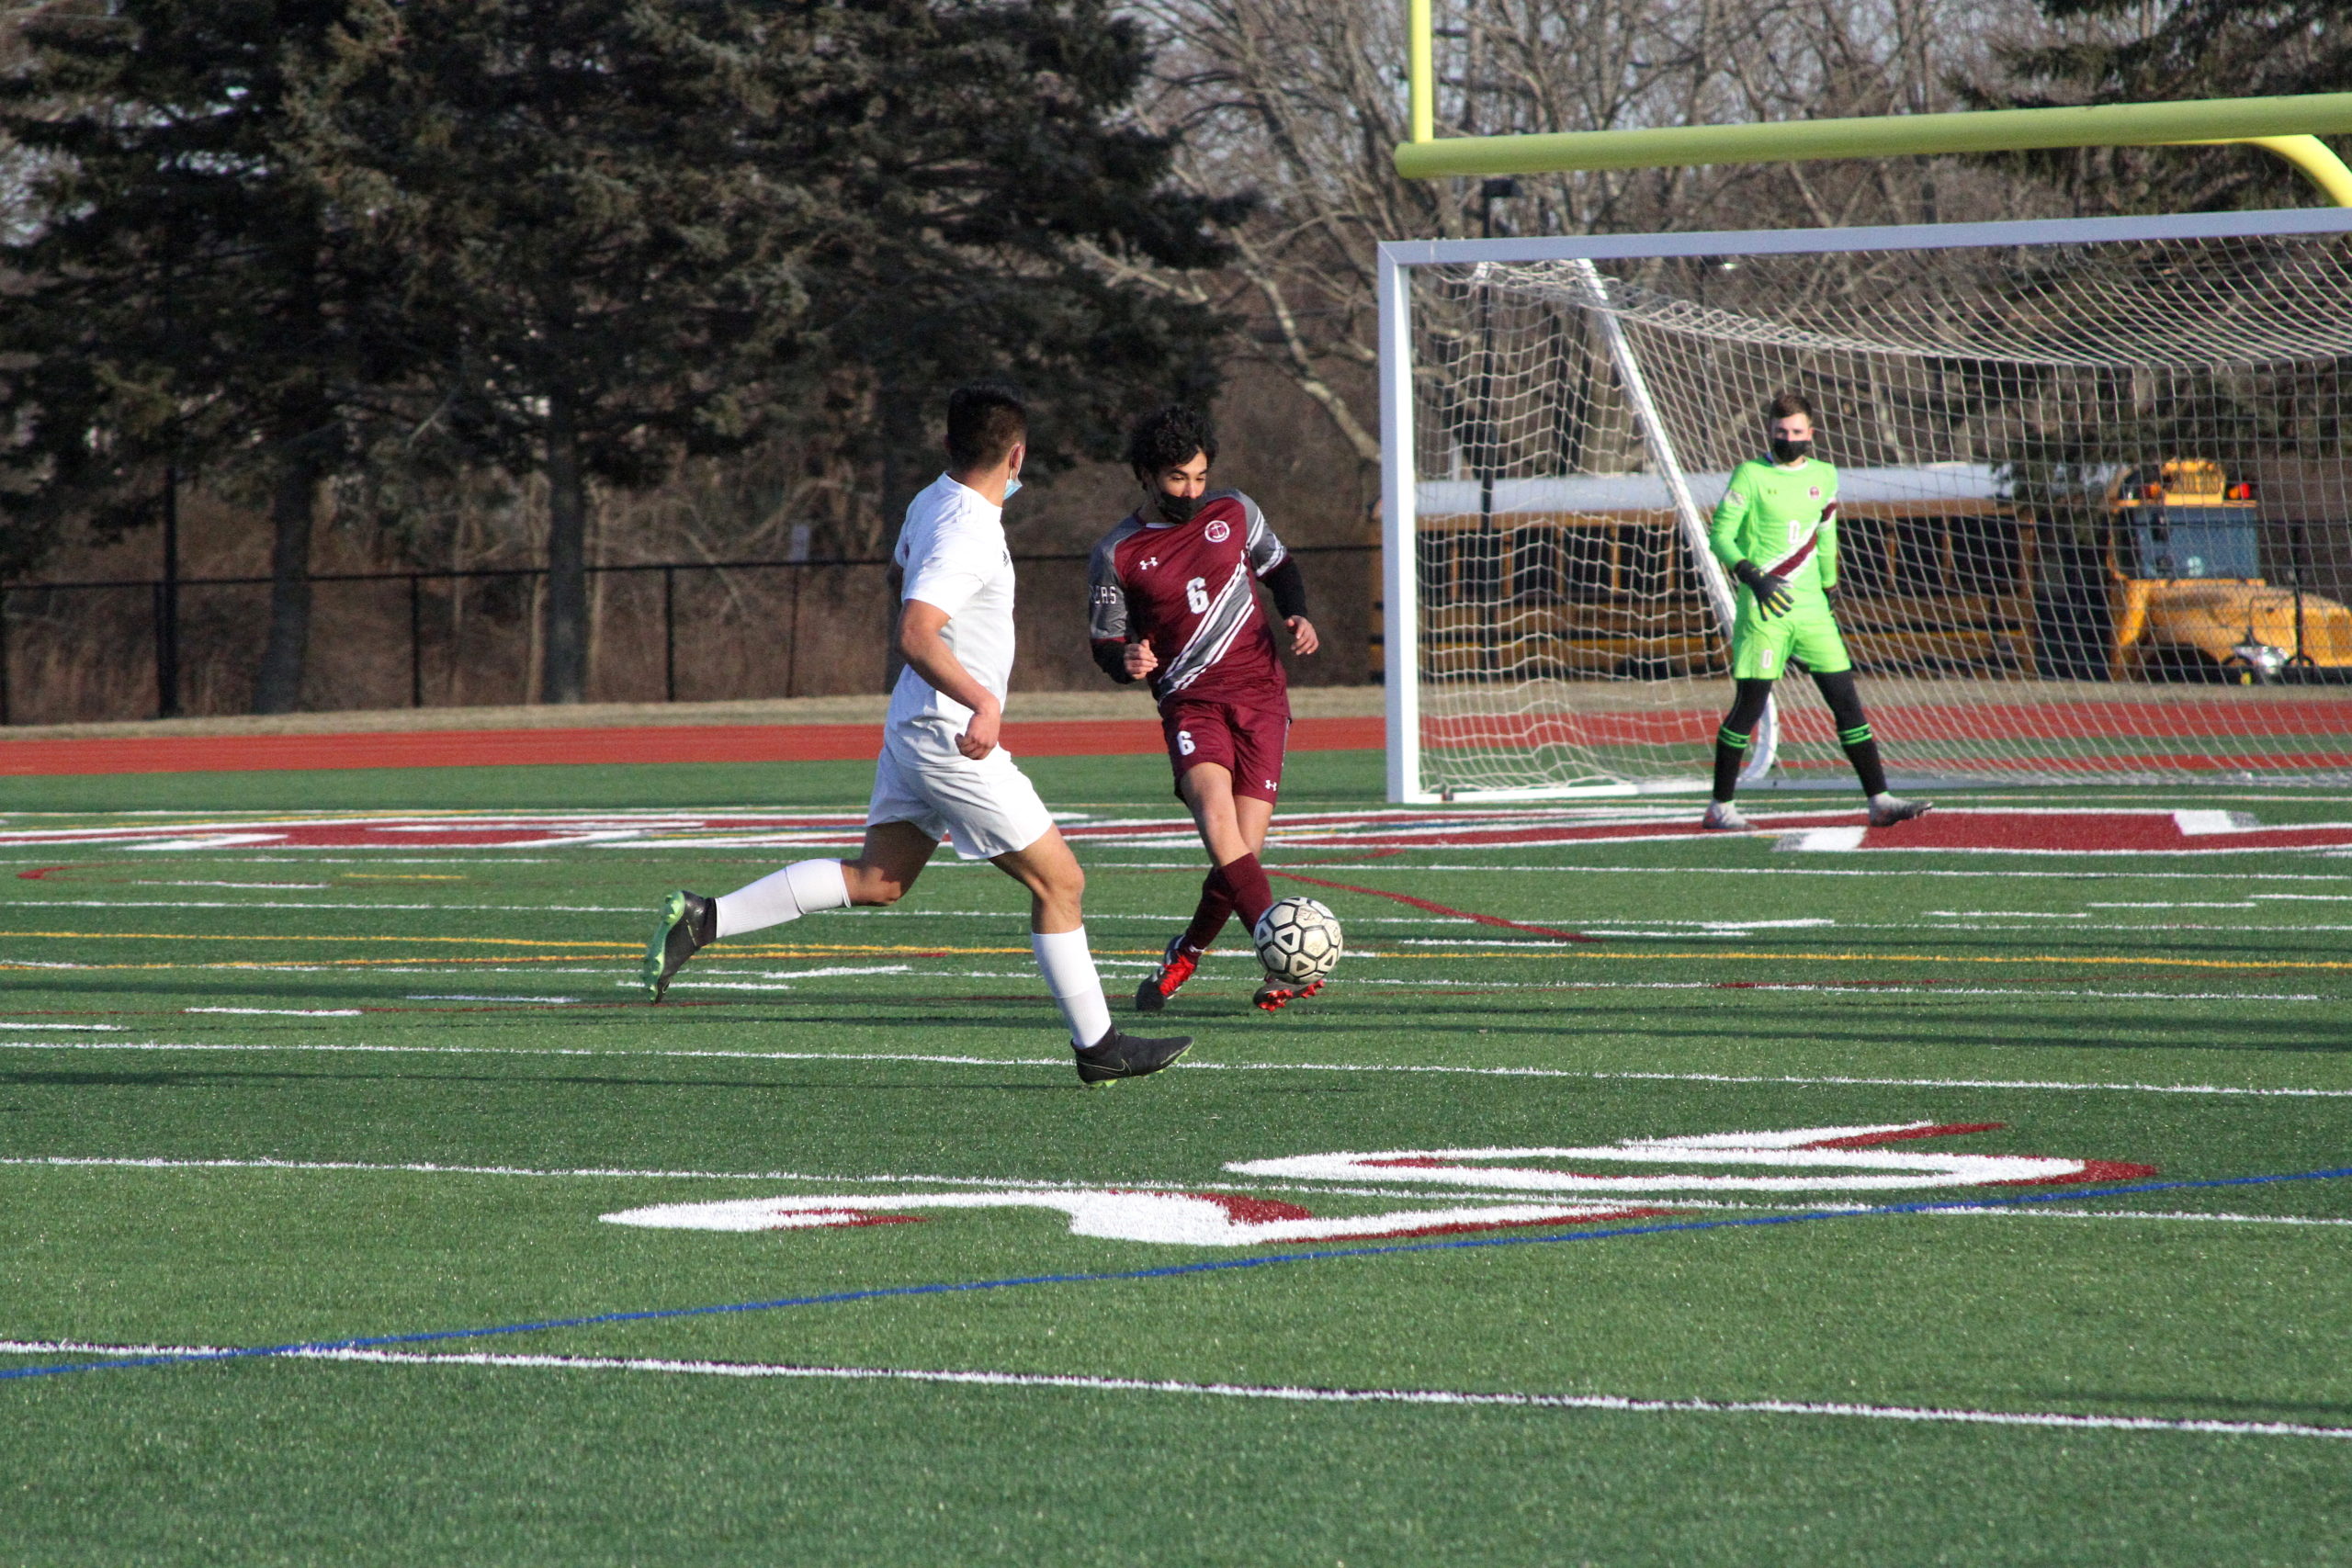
x: 1176, y: 966
x: 1276, y: 995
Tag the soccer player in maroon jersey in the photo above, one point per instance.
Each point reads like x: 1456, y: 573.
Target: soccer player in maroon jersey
x: 1175, y: 603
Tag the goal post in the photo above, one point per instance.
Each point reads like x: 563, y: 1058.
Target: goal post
x: 2096, y: 507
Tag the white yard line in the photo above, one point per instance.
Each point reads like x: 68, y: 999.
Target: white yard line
x: 1605, y: 1403
x: 275, y: 1012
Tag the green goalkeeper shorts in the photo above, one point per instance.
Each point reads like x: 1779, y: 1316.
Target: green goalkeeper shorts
x: 1760, y: 649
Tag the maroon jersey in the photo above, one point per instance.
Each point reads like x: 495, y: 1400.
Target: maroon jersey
x: 1192, y: 589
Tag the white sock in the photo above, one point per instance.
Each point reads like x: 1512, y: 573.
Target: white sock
x: 800, y: 889
x: 1067, y: 965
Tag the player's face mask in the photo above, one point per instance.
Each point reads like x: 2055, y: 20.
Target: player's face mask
x: 1787, y: 451
x: 1178, y: 508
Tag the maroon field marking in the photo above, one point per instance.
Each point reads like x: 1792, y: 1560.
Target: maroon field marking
x: 1424, y: 904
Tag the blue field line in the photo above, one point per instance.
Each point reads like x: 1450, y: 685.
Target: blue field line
x: 1166, y: 1272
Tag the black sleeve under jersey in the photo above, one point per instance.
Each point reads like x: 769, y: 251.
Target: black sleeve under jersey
x: 1288, y: 588
x: 1110, y: 658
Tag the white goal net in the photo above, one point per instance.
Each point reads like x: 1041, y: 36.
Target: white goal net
x: 2094, y: 516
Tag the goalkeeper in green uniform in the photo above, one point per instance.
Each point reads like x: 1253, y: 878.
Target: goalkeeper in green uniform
x: 1776, y: 530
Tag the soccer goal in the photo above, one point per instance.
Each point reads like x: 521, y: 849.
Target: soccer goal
x: 2095, y: 517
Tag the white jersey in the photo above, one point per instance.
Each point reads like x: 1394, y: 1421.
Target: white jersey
x: 953, y: 551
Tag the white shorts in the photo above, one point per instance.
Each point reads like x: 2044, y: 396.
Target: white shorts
x: 985, y: 808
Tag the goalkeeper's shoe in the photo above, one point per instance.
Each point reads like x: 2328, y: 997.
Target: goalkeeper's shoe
x: 1176, y: 966
x: 1118, y: 1055
x: 1277, y: 994
x: 1886, y: 810
x: 1723, y: 816
x: 688, y: 923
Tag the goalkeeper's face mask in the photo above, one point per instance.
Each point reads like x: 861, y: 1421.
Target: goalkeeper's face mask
x: 1792, y: 438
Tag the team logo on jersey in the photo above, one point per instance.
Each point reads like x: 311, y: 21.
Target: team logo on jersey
x: 1219, y: 530
x: 1815, y: 492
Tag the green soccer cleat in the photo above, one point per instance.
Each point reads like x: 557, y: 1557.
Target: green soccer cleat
x: 688, y: 923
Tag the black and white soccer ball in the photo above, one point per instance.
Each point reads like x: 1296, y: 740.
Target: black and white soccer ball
x: 1299, y: 940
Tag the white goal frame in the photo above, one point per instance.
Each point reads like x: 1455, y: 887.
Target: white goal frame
x: 1401, y: 618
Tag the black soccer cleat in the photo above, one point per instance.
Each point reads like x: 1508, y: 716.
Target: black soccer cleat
x: 1176, y: 966
x: 1118, y: 1055
x: 688, y: 923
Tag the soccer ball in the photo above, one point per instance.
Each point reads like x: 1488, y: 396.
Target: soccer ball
x: 1299, y: 940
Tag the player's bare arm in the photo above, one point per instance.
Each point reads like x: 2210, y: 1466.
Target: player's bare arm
x: 927, y: 652
x: 955, y: 629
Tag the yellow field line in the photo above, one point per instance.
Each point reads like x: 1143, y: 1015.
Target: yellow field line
x: 185, y: 936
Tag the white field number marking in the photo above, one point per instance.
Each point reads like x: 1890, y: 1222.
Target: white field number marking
x: 1798, y: 1158
x: 1178, y: 1219
x: 1816, y: 1159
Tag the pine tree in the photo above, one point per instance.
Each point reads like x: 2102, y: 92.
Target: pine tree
x: 623, y: 231
x: 186, y: 299
x: 2118, y: 51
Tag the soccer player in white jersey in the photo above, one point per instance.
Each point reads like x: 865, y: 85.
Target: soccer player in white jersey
x: 942, y: 773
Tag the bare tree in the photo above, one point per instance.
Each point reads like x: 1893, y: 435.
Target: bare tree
x: 1302, y: 101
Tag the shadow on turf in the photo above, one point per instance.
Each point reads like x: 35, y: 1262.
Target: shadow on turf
x: 196, y: 1077
x: 1804, y: 1022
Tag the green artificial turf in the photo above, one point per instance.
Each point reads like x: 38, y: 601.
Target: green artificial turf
x: 437, y: 1078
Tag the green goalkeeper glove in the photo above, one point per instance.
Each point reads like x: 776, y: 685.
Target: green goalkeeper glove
x: 1771, y: 593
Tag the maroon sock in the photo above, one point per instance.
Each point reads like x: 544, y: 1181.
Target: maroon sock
x: 1208, y: 920
x: 1252, y: 893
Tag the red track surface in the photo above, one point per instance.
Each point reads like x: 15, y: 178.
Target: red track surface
x: 656, y: 744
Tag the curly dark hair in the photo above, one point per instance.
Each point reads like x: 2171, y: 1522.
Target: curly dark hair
x: 1166, y: 438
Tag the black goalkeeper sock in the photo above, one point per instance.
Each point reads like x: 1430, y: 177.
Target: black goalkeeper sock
x: 1731, y: 755
x: 1863, y: 751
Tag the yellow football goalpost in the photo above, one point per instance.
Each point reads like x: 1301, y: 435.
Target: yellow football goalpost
x: 2287, y: 127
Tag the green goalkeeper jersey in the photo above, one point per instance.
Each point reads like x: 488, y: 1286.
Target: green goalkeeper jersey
x: 1785, y: 520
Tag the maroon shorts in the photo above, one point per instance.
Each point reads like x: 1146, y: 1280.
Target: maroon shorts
x: 1245, y: 742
